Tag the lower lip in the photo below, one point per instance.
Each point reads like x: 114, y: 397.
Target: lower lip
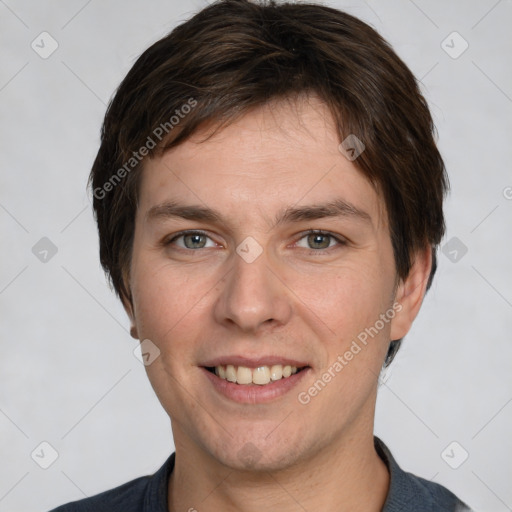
x: 254, y: 393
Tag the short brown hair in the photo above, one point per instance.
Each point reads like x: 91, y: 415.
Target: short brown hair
x: 235, y: 55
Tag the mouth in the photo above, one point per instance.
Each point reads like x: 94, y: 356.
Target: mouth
x: 254, y: 381
x: 260, y: 376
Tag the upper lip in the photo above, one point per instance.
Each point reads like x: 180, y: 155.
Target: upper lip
x: 252, y: 362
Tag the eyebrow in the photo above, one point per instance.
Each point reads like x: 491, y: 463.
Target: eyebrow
x: 335, y: 208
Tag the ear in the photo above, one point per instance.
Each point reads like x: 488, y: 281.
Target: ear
x: 128, y: 307
x: 410, y: 293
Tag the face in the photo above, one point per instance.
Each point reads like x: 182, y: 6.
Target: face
x: 260, y: 256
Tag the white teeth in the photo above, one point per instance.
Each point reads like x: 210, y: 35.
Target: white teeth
x: 260, y: 376
x: 276, y: 372
x: 244, y: 375
x: 230, y: 373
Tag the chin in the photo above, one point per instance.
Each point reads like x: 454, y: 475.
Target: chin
x: 257, y: 454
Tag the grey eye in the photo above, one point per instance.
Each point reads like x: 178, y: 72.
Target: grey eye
x: 194, y: 241
x: 319, y: 240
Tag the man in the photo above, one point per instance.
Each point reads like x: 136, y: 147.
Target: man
x: 269, y: 203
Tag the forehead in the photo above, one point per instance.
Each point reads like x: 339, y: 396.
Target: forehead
x: 283, y: 154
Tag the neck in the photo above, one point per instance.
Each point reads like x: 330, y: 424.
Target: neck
x: 347, y: 476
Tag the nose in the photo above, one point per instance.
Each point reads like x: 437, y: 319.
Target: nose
x: 253, y: 296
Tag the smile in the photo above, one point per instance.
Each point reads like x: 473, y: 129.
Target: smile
x: 260, y: 376
x: 254, y: 380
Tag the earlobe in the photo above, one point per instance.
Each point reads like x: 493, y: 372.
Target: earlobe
x: 410, y: 293
x: 128, y: 307
x: 133, y: 332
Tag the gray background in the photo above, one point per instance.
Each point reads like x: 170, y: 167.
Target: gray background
x: 69, y: 376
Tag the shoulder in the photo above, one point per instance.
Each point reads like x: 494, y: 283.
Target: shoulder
x: 127, y: 497
x: 144, y: 493
x: 433, y: 496
x: 411, y: 492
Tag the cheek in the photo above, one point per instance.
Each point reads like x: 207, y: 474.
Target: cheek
x: 348, y: 298
x: 166, y: 301
x: 357, y: 341
x: 170, y: 309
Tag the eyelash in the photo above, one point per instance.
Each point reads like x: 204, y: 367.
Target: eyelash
x: 340, y: 241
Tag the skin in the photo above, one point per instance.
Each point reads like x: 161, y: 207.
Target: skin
x: 293, y: 300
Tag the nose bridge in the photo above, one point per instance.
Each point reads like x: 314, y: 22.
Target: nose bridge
x: 252, y: 296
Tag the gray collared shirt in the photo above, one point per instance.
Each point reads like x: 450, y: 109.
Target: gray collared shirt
x: 408, y: 492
